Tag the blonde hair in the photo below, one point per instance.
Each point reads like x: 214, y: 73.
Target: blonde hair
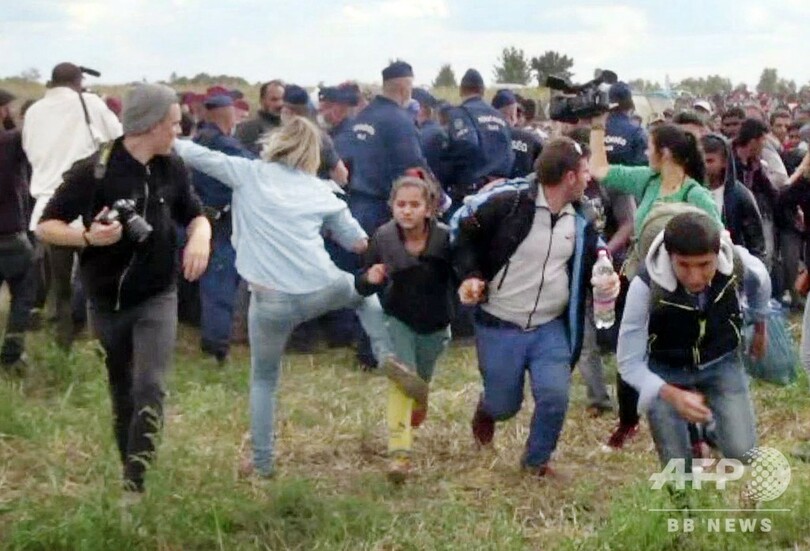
x: 296, y: 144
x: 428, y: 187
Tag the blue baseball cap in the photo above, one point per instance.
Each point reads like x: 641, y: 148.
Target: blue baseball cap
x: 398, y: 69
x: 424, y: 98
x: 619, y: 93
x: 217, y: 101
x: 295, y: 95
x: 472, y: 79
x: 503, y: 98
x: 344, y: 95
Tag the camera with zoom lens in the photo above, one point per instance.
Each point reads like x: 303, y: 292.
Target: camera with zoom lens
x: 136, y: 228
x: 580, y: 101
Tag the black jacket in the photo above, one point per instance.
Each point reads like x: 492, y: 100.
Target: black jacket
x: 489, y: 237
x: 742, y: 219
x: 13, y: 183
x: 418, y: 290
x: 684, y: 333
x: 125, y: 274
x: 249, y: 131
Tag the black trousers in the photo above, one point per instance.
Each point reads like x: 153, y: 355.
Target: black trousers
x: 139, y: 343
x: 68, y: 320
x: 16, y: 270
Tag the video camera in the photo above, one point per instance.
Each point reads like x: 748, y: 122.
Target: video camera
x: 580, y: 101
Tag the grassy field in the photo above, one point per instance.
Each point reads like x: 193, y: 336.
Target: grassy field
x: 59, y: 474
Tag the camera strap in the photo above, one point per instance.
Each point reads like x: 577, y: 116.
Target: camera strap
x: 87, y: 121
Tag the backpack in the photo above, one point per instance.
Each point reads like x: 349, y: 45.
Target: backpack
x: 473, y: 202
x: 658, y: 217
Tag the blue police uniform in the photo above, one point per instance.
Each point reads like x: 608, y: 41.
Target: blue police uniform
x: 479, y: 148
x: 625, y: 142
x: 219, y: 283
x: 342, y: 135
x: 527, y: 146
x: 384, y: 143
x: 433, y: 139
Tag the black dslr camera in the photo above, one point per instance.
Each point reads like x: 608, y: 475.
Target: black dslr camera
x: 136, y: 228
x: 580, y: 101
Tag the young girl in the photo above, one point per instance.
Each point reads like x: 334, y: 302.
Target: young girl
x: 408, y: 263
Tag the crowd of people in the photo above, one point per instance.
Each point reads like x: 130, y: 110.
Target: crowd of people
x: 390, y: 223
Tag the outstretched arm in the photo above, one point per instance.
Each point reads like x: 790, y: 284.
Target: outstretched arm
x: 231, y: 171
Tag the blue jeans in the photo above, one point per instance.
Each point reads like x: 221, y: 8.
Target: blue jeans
x: 504, y: 356
x: 725, y: 386
x: 272, y: 316
x: 218, y: 286
x: 419, y: 351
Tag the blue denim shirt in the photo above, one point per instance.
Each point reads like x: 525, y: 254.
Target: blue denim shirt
x: 278, y: 214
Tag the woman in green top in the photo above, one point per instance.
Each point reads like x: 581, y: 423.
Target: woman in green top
x: 676, y: 168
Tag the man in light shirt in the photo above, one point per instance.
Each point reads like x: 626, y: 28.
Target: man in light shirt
x: 61, y: 128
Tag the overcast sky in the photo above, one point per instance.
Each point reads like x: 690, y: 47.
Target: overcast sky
x: 307, y: 41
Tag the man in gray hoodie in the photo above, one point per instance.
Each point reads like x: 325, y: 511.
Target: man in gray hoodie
x: 680, y: 333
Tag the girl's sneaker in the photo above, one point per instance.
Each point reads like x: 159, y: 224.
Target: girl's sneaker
x: 399, y: 467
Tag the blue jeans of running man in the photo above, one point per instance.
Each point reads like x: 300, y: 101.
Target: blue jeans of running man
x: 504, y: 357
x: 725, y: 386
x: 218, y: 286
x: 272, y: 316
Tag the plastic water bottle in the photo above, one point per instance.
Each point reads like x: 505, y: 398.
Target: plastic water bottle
x: 604, y: 307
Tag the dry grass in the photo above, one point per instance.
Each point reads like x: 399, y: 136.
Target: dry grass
x: 59, y: 472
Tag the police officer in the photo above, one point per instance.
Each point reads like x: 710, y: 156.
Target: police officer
x: 432, y: 135
x: 480, y: 141
x: 336, y: 105
x: 525, y: 144
x: 385, y: 144
x: 625, y: 142
x: 219, y: 283
x: 297, y: 103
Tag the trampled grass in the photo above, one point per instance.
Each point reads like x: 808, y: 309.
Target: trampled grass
x: 59, y: 473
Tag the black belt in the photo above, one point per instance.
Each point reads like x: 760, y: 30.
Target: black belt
x: 488, y: 320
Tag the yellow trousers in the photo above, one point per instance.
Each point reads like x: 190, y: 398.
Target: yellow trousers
x: 400, y: 433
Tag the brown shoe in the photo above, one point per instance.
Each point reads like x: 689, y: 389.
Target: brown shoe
x: 595, y: 412
x: 399, y: 468
x: 621, y: 435
x: 547, y: 472
x: 418, y: 415
x: 483, y: 426
x: 407, y: 379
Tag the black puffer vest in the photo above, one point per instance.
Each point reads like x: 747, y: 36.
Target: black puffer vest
x: 684, y: 335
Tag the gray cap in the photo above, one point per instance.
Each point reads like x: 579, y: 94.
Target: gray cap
x: 145, y: 105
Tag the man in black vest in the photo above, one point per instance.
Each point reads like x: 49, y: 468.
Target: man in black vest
x: 680, y: 334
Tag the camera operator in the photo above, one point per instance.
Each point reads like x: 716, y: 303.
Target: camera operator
x: 625, y: 142
x: 61, y: 128
x: 129, y: 264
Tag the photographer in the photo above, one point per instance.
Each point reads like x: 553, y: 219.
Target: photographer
x: 129, y: 264
x: 625, y: 142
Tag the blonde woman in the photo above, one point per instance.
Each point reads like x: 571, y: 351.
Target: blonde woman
x: 279, y: 209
